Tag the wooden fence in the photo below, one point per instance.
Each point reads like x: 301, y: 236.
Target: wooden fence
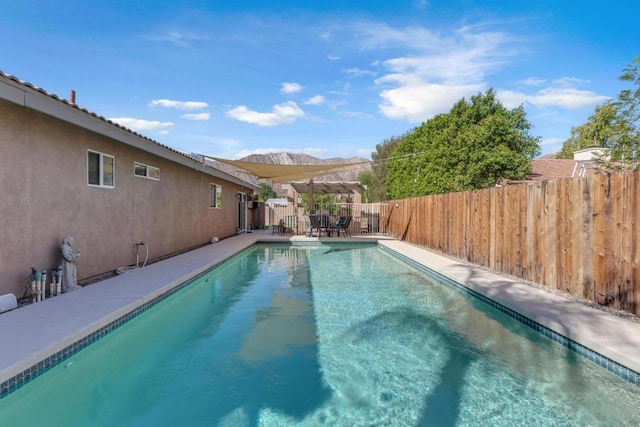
x: 578, y: 235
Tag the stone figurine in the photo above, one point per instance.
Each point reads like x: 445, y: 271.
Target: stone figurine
x: 69, y: 270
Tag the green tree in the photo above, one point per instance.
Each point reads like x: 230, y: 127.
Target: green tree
x: 624, y: 147
x: 266, y: 192
x: 614, y: 125
x: 377, y: 181
x: 321, y: 202
x: 471, y: 147
x: 601, y: 127
x: 366, y: 179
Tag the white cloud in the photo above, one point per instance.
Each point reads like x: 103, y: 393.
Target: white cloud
x: 511, y: 99
x: 142, y: 125
x: 284, y: 113
x: 416, y: 100
x: 357, y: 72
x: 441, y: 68
x: 570, y: 81
x: 180, y: 105
x: 533, y: 81
x: 179, y: 39
x: 197, y: 116
x: 333, y: 58
x: 569, y: 98
x: 290, y: 87
x: 561, y: 93
x: 438, y: 70
x: 315, y: 100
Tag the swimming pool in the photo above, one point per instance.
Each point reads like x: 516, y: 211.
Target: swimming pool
x: 338, y: 334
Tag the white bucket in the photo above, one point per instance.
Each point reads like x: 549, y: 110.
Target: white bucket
x: 8, y: 302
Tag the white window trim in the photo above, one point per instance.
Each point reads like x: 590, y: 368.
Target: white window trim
x: 213, y: 201
x: 101, y: 172
x: 147, y: 169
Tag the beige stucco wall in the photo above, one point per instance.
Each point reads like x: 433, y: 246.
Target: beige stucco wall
x: 45, y: 196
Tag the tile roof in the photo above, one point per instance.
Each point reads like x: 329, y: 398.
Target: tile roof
x: 550, y: 169
x: 543, y: 169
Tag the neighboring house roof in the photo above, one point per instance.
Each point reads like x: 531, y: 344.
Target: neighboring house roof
x: 23, y: 93
x: 543, y: 169
x: 549, y: 169
x: 283, y: 201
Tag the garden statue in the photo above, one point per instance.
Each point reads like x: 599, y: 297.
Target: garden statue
x: 69, y: 271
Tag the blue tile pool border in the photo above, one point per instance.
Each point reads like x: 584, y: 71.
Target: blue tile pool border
x: 597, y: 358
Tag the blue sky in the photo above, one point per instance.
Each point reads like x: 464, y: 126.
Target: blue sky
x: 326, y: 78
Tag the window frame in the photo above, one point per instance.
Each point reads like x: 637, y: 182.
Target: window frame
x: 101, y: 169
x: 215, y: 196
x: 148, y: 169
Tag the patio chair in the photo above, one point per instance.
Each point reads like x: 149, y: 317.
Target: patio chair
x: 343, y: 224
x: 364, y: 225
x: 315, y: 224
x: 291, y: 223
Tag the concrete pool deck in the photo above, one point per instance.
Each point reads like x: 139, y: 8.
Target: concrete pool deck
x: 35, y: 332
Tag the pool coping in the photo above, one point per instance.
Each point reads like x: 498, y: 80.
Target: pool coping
x: 45, y: 333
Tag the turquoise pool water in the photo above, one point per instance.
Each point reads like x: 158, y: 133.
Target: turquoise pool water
x: 339, y: 334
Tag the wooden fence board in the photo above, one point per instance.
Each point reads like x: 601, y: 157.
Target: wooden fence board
x: 536, y: 232
x: 551, y: 234
x: 634, y: 228
x: 626, y: 285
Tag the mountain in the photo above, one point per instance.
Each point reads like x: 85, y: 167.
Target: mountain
x: 297, y: 159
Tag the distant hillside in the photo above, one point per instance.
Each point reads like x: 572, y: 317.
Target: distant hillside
x: 297, y: 159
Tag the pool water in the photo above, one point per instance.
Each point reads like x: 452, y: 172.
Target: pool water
x: 336, y: 335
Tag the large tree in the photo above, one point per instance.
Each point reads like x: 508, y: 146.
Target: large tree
x: 266, y: 192
x: 601, y: 128
x: 614, y: 125
x: 376, y: 180
x: 624, y: 148
x: 473, y: 146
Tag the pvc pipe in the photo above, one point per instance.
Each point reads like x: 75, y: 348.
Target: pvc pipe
x: 38, y: 284
x: 43, y: 287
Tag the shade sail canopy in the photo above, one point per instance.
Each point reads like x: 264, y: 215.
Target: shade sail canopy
x: 327, y: 187
x: 285, y: 173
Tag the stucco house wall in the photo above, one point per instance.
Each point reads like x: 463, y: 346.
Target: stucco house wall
x: 45, y: 196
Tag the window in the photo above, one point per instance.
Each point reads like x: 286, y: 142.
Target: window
x: 146, y: 171
x: 100, y: 169
x: 216, y: 196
